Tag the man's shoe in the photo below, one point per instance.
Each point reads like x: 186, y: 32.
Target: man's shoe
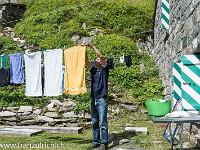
x: 93, y: 145
x: 102, y: 147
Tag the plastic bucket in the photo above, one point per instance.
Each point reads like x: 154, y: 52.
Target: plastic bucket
x: 159, y: 107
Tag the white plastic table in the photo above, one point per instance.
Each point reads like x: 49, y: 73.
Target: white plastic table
x: 191, y: 119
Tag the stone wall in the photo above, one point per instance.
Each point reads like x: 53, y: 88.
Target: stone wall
x: 9, y: 13
x: 12, y: 1
x: 183, y: 38
x: 57, y: 113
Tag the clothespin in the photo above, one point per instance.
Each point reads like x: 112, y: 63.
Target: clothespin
x: 63, y: 47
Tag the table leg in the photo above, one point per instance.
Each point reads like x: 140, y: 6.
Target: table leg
x: 170, y: 134
x: 180, y: 137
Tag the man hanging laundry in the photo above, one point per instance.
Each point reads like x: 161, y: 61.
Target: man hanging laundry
x: 99, y: 89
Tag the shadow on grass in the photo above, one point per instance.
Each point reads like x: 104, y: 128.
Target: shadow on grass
x: 71, y: 140
x: 115, y: 139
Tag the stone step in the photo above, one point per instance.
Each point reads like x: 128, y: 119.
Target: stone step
x: 68, y: 130
x: 19, y: 132
x: 142, y: 130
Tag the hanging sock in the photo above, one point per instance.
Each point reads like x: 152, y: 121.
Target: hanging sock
x: 116, y: 62
x: 128, y: 60
x: 75, y: 70
x: 53, y: 72
x: 110, y: 63
x: 122, y: 59
x: 33, y: 74
x: 4, y: 61
x: 3, y: 77
x: 16, y: 68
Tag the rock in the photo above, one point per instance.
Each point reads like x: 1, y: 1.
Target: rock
x: 84, y: 25
x: 64, y: 109
x: 23, y: 109
x: 70, y: 115
x: 71, y: 124
x: 52, y: 115
x: 130, y: 107
x: 16, y: 39
x: 88, y: 116
x: 51, y: 105
x: 27, y: 122
x: 28, y: 117
x: 19, y: 132
x: 57, y: 102
x: 144, y: 111
x: 142, y: 130
x: 75, y: 38
x: 24, y: 114
x: 68, y: 104
x: 7, y: 114
x: 157, y: 142
x: 52, y: 109
x: 123, y: 141
x: 9, y: 119
x: 194, y: 129
x: 45, y: 110
x: 37, y: 111
x: 128, y: 125
x: 11, y: 123
x: 62, y: 120
x: 13, y: 109
x: 43, y: 119
x: 81, y: 116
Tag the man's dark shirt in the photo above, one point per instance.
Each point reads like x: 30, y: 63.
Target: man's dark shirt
x: 99, y: 82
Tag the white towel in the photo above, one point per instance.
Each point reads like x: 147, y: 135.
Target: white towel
x: 53, y: 72
x: 122, y: 59
x: 33, y: 74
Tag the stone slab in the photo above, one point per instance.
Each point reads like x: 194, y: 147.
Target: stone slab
x: 68, y: 130
x: 19, y: 132
x: 142, y: 130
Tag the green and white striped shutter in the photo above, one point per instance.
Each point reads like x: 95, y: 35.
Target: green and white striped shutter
x: 190, y: 74
x: 177, y: 81
x: 165, y: 14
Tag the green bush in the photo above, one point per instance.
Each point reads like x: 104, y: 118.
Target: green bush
x: 53, y: 28
x: 8, y: 45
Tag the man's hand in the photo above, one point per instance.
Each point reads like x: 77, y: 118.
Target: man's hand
x: 87, y: 44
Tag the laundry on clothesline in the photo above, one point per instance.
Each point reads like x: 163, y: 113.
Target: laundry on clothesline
x: 75, y: 70
x: 53, y: 72
x: 33, y: 74
x: 16, y: 68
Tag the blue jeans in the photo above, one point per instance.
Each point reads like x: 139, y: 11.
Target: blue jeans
x: 99, y: 109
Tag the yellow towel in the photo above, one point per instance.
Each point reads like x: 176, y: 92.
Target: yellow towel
x: 75, y: 70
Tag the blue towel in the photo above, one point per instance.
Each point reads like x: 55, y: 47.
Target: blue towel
x: 16, y: 68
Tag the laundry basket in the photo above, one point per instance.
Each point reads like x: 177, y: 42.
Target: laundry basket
x: 159, y: 107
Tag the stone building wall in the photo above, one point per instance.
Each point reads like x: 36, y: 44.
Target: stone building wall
x: 183, y: 38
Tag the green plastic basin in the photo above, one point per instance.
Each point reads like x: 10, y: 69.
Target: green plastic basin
x: 159, y: 107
